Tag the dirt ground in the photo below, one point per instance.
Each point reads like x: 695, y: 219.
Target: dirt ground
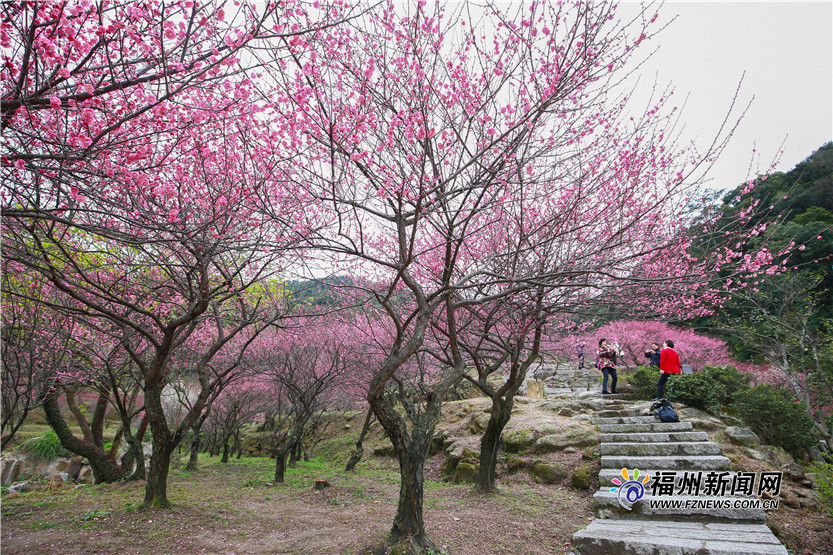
x: 234, y: 509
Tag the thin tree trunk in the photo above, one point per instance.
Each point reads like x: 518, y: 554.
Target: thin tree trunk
x: 359, y: 452
x: 490, y: 442
x: 193, y: 459
x: 225, y: 450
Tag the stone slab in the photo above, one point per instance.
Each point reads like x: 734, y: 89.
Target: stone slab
x: 607, y: 504
x: 665, y: 449
x: 654, y: 437
x: 645, y: 427
x: 692, y: 462
x: 608, y: 537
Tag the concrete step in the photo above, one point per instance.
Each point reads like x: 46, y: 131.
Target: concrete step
x: 666, y: 449
x: 655, y: 437
x: 657, y: 537
x: 606, y: 476
x: 681, y: 462
x: 626, y: 420
x: 607, y: 505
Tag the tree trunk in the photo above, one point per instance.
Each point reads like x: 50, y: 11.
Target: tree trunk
x: 225, y: 450
x: 195, y: 448
x: 104, y: 469
x: 411, y: 449
x: 138, y: 456
x: 293, y: 453
x: 280, y: 466
x: 490, y: 442
x: 156, y: 490
x: 359, y: 452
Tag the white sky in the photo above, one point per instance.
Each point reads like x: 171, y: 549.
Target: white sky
x: 786, y: 50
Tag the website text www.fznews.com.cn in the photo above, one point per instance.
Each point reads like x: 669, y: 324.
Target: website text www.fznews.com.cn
x: 765, y: 504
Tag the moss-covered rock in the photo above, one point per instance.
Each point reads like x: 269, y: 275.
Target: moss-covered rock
x: 574, y: 437
x: 467, y: 472
x: 582, y: 477
x: 515, y: 463
x: 518, y: 440
x: 546, y: 473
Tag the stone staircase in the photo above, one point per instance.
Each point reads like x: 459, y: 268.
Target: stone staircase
x: 629, y: 441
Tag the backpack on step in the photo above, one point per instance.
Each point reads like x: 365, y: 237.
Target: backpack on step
x: 663, y: 410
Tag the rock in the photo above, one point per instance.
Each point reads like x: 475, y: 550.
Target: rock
x: 575, y: 437
x: 545, y: 473
x: 566, y: 412
x: 742, y: 436
x: 19, y: 487
x: 581, y: 478
x: 590, y: 453
x: 10, y: 468
x: 515, y: 463
x: 85, y: 475
x: 436, y: 446
x: 775, y: 456
x: 536, y: 389
x: 478, y: 422
x: 794, y: 472
x: 790, y: 500
x: 583, y: 418
x: 704, y: 423
x: 517, y: 441
x: 570, y: 450
x: 467, y: 472
x: 384, y: 451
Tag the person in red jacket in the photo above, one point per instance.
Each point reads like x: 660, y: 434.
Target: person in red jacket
x: 669, y: 363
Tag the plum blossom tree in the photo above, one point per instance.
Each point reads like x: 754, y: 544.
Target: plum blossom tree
x: 635, y: 337
x: 432, y: 139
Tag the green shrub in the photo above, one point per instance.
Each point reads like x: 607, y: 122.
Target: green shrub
x: 777, y: 418
x: 644, y: 381
x: 824, y: 479
x: 732, y: 379
x: 46, y: 447
x: 698, y: 390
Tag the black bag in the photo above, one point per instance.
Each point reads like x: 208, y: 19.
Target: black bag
x: 663, y: 410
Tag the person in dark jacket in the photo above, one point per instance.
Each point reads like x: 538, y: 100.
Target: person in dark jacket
x: 669, y: 363
x: 607, y: 364
x: 653, y: 354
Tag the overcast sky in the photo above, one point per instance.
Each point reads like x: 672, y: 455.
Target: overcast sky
x: 786, y: 50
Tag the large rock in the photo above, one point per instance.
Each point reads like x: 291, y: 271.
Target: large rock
x: 582, y: 477
x: 742, y: 436
x: 467, y: 472
x: 518, y: 440
x: 775, y: 456
x: 546, y: 473
x: 536, y: 389
x: 574, y: 437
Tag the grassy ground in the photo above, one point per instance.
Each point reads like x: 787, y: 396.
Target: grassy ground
x: 234, y: 508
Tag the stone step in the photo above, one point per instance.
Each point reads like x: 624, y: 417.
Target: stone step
x: 627, y: 420
x: 606, y: 475
x: 645, y: 427
x: 655, y: 437
x: 681, y: 462
x: 618, y: 413
x: 607, y: 505
x: 640, y: 537
x: 667, y: 449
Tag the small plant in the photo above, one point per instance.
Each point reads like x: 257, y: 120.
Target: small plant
x: 95, y: 515
x: 698, y: 390
x: 777, y: 418
x: 644, y: 381
x: 46, y: 447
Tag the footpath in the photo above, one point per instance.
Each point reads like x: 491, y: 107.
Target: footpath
x: 673, y: 524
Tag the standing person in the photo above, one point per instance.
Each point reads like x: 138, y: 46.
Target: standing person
x: 580, y: 354
x: 653, y: 354
x: 669, y: 363
x: 607, y: 364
